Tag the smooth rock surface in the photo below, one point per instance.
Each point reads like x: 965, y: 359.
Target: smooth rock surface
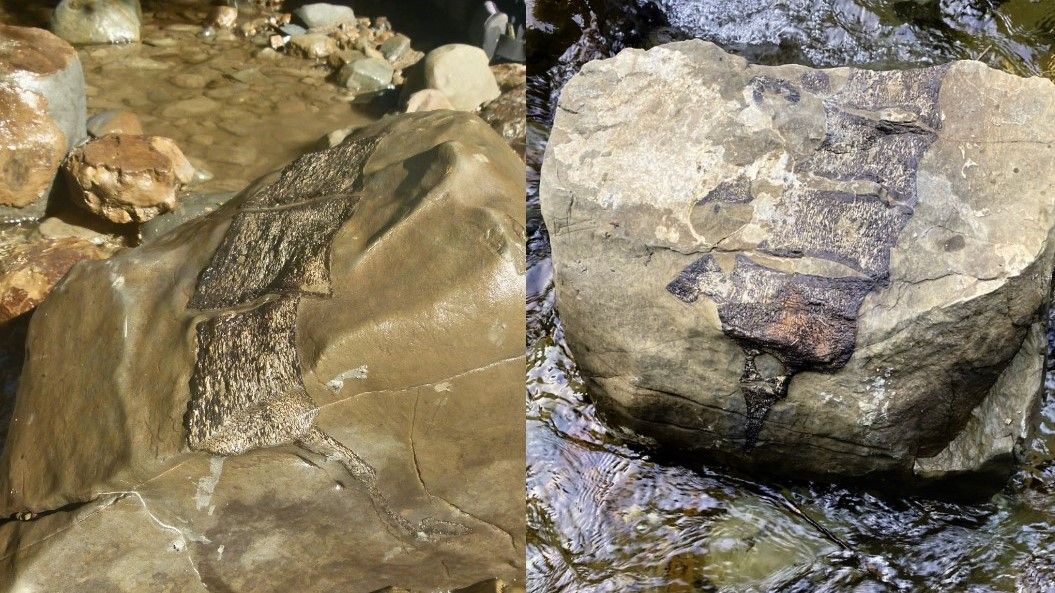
x: 317, y: 387
x: 313, y: 45
x: 84, y: 22
x: 461, y: 72
x: 829, y: 272
x: 322, y: 15
x: 428, y: 100
x: 366, y: 75
x: 114, y: 121
x: 124, y: 178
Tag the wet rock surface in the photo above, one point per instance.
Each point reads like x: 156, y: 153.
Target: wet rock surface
x: 208, y: 468
x: 29, y: 270
x: 763, y: 290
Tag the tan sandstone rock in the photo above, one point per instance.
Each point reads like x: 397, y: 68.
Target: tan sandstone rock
x: 30, y: 269
x: 123, y: 178
x: 32, y: 149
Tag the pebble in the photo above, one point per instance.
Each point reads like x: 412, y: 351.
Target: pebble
x: 322, y: 15
x: 195, y: 106
x: 366, y: 75
x: 395, y: 47
x: 187, y: 80
x: 313, y: 45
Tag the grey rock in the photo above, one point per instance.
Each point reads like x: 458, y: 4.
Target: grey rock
x: 97, y: 21
x: 292, y: 29
x: 395, y: 46
x: 366, y: 75
x: 322, y: 15
x: 830, y: 272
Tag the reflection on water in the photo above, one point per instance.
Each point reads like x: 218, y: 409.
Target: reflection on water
x: 604, y: 514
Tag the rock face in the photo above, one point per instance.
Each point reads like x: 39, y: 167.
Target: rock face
x: 97, y: 21
x: 42, y: 107
x: 835, y: 272
x: 459, y: 71
x: 279, y: 390
x: 126, y: 178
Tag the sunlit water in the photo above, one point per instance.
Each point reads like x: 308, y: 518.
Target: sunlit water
x: 604, y: 514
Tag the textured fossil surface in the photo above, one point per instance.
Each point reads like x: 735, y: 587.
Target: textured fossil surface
x: 824, y: 271
x: 269, y: 398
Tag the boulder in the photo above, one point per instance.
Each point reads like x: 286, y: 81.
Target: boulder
x: 125, y: 178
x: 42, y: 101
x: 836, y: 273
x: 30, y: 155
x: 428, y: 100
x: 322, y: 15
x: 460, y: 72
x: 83, y: 22
x: 278, y: 391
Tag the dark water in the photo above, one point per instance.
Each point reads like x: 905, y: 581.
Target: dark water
x: 604, y: 514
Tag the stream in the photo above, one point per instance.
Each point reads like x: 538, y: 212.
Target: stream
x: 604, y: 512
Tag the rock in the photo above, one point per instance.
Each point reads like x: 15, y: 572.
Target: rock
x: 312, y: 45
x: 36, y: 60
x: 292, y: 29
x: 189, y: 207
x: 836, y: 273
x: 190, y: 107
x: 114, y: 121
x: 459, y: 71
x: 322, y: 15
x: 30, y: 155
x: 54, y: 227
x: 428, y: 100
x: 508, y: 113
x: 30, y: 269
x: 97, y: 21
x: 42, y: 105
x: 327, y: 294
x: 222, y: 17
x: 367, y: 75
x: 184, y: 170
x: 394, y: 47
x: 123, y: 178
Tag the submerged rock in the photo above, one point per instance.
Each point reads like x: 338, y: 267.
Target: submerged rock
x: 831, y: 272
x: 279, y: 390
x: 126, y: 178
x: 42, y: 111
x: 97, y: 21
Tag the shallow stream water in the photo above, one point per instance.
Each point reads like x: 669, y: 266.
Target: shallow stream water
x: 604, y: 514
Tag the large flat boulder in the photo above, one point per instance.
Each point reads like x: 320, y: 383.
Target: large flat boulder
x: 316, y: 387
x: 831, y: 272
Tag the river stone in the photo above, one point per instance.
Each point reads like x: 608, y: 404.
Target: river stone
x: 97, y: 21
x: 114, y: 121
x: 32, y: 149
x: 29, y: 270
x: 322, y: 15
x: 44, y: 105
x: 125, y: 178
x: 366, y: 75
x: 459, y: 71
x: 394, y: 47
x: 317, y: 387
x: 814, y: 272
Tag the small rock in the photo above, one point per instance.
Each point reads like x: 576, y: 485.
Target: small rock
x: 97, y: 21
x: 366, y: 75
x: 222, y: 17
x: 322, y: 15
x: 428, y: 100
x: 114, y: 121
x: 54, y: 227
x: 123, y: 178
x: 313, y: 45
x: 188, y: 80
x: 344, y: 57
x: 395, y: 46
x: 30, y: 270
x: 292, y: 29
x: 462, y: 72
x: 190, y: 107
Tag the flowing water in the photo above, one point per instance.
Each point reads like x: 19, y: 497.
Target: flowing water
x: 604, y: 513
